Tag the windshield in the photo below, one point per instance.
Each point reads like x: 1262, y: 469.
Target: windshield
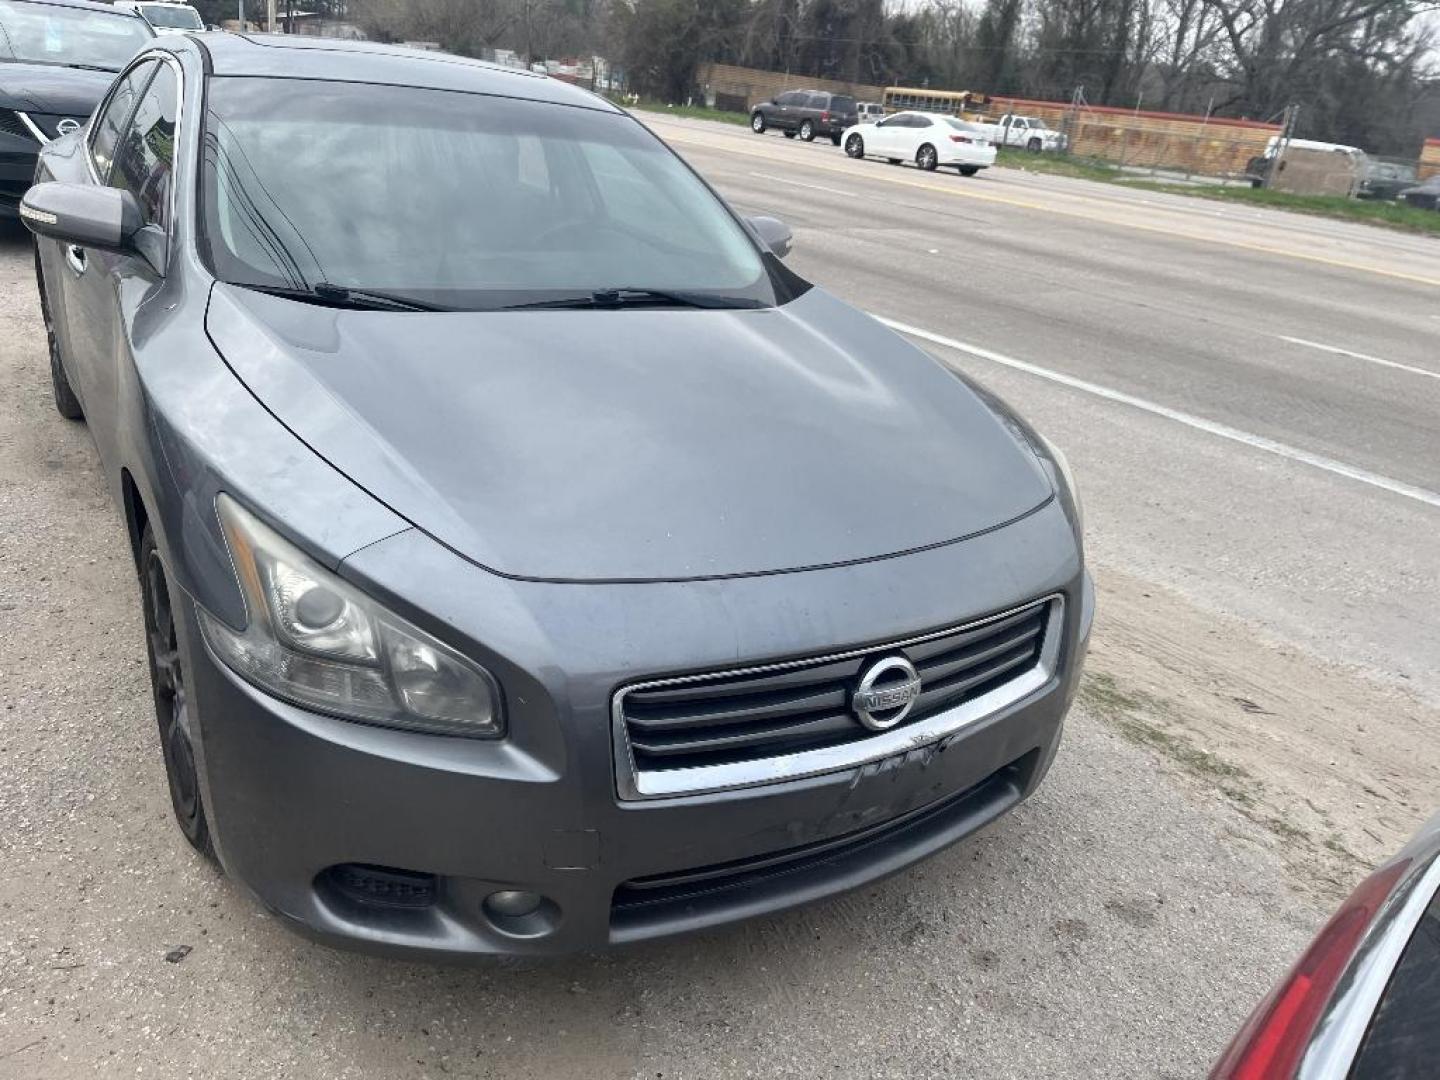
x: 172, y: 16
x: 77, y: 37
x: 459, y: 200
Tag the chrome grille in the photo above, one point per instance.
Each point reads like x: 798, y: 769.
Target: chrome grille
x: 703, y: 728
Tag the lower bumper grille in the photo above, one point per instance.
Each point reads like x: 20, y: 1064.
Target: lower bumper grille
x: 699, y: 724
x: 672, y: 903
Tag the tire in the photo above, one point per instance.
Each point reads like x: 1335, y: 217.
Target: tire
x: 926, y: 157
x: 757, y: 122
x: 855, y: 147
x: 1034, y: 145
x: 835, y: 138
x: 171, y: 694
x: 807, y: 131
x: 968, y: 170
x: 66, y: 403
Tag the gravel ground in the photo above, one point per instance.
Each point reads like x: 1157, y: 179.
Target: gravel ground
x: 1121, y: 923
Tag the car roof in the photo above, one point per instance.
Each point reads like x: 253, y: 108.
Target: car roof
x: 303, y: 57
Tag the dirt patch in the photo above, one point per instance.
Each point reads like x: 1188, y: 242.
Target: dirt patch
x: 1338, y: 765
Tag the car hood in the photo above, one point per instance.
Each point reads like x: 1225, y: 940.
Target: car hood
x: 48, y: 88
x: 638, y: 444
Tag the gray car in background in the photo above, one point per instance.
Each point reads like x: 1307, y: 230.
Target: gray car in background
x: 530, y: 561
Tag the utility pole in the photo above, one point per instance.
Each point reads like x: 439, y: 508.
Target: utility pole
x: 271, y: 17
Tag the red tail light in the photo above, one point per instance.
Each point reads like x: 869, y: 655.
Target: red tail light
x: 961, y: 138
x: 1273, y: 1041
x: 825, y: 117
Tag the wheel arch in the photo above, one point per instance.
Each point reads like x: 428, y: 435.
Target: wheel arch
x: 137, y: 515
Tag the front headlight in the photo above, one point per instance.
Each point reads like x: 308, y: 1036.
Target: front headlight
x: 316, y: 640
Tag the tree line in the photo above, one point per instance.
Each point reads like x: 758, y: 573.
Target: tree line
x: 1362, y: 71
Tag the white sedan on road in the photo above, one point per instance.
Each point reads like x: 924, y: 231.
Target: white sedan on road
x: 928, y: 139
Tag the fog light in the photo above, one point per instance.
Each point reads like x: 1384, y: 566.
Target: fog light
x: 512, y: 903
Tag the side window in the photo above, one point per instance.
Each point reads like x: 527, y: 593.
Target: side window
x: 921, y: 121
x: 115, y: 115
x: 819, y: 101
x: 793, y: 97
x: 146, y: 154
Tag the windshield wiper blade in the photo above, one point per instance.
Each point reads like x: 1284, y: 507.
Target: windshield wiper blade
x: 88, y: 67
x: 634, y: 297
x: 340, y: 296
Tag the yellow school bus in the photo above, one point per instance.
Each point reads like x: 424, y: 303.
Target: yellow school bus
x: 897, y: 98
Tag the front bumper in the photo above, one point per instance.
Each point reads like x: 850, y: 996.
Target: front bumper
x: 292, y: 794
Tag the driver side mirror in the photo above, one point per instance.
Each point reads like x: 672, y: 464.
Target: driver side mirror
x: 101, y: 218
x: 774, y: 234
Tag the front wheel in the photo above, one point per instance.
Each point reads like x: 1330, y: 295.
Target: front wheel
x: 968, y: 170
x: 855, y: 147
x: 170, y: 689
x: 926, y: 158
x: 1034, y: 145
x: 757, y: 123
x: 66, y: 403
x: 807, y: 131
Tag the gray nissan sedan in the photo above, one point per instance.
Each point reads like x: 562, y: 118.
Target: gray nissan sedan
x: 530, y: 561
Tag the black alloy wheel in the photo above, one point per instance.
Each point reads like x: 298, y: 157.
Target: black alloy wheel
x: 172, y: 698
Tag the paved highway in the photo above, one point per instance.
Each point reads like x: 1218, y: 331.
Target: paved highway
x: 1250, y: 401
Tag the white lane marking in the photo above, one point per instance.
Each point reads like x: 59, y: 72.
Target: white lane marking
x: 1223, y: 431
x: 1359, y: 356
x: 801, y: 183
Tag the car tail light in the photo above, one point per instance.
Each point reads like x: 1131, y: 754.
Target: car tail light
x: 1273, y: 1041
x: 825, y: 117
x: 961, y: 138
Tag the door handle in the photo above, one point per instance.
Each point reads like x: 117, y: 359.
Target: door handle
x: 75, y: 258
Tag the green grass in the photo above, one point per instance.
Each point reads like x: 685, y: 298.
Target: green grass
x: 1387, y: 214
x: 694, y: 112
x: 1057, y: 165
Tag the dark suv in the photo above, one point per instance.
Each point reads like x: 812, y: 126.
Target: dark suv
x: 806, y: 113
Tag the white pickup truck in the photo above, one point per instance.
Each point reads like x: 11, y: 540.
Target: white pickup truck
x: 1028, y: 132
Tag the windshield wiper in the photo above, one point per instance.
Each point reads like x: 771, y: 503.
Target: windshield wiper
x: 632, y: 297
x: 88, y: 67
x: 340, y: 296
